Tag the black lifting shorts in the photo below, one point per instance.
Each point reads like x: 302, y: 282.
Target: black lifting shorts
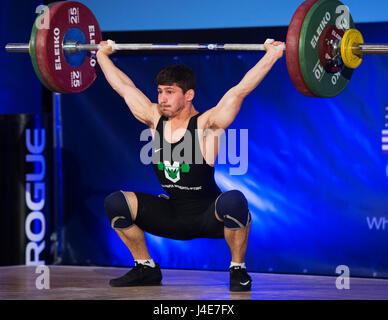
x: 178, y: 219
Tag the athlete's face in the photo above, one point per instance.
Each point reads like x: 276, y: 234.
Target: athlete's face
x: 171, y: 100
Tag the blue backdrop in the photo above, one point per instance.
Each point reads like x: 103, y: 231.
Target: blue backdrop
x: 317, y: 180
x: 20, y: 92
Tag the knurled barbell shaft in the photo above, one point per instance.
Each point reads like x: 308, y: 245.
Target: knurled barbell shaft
x: 178, y: 46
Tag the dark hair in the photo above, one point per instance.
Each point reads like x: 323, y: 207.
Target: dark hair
x: 179, y: 74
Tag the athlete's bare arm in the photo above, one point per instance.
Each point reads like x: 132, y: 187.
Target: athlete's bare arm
x: 141, y: 107
x: 224, y: 113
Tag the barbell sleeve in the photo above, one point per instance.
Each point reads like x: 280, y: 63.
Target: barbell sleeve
x: 17, y: 47
x: 372, y: 49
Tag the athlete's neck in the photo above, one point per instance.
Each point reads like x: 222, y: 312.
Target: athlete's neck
x: 186, y: 113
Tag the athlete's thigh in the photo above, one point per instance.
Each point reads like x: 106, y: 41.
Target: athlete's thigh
x: 157, y: 216
x: 211, y: 226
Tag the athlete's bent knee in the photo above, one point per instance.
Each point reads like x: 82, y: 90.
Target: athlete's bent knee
x: 118, y: 211
x: 232, y: 207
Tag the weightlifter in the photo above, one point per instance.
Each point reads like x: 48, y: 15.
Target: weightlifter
x: 196, y: 207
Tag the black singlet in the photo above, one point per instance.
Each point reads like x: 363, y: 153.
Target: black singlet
x: 180, y: 167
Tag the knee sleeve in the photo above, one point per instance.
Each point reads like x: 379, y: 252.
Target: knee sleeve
x: 118, y: 211
x: 232, y: 207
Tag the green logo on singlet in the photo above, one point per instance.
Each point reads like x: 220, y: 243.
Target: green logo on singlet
x: 172, y: 172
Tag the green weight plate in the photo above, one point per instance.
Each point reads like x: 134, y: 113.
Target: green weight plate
x: 33, y: 51
x: 323, y: 14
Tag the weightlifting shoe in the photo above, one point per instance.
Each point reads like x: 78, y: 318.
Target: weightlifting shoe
x: 239, y: 279
x: 139, y: 275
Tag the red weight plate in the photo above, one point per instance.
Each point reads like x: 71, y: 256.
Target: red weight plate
x: 292, y: 47
x: 38, y: 24
x: 42, y: 43
x: 62, y: 77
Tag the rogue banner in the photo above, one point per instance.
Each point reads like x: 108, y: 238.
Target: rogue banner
x: 25, y: 188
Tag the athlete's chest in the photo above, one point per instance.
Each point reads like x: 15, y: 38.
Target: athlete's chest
x: 188, y: 134
x: 173, y: 133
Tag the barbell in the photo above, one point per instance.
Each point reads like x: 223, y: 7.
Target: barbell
x: 322, y: 47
